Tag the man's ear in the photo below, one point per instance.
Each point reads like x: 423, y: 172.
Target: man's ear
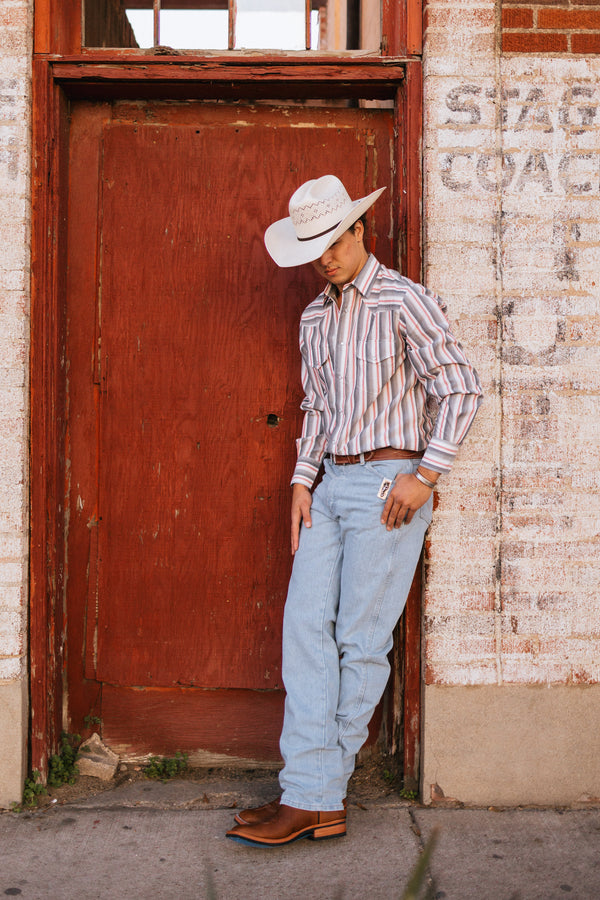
x: 359, y: 230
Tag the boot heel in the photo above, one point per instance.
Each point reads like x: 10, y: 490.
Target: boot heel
x: 337, y: 829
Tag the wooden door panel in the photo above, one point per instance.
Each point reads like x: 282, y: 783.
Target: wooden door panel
x: 184, y: 423
x: 237, y: 723
x: 187, y: 405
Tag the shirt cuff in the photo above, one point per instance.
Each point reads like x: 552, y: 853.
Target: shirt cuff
x: 439, y: 456
x: 305, y: 473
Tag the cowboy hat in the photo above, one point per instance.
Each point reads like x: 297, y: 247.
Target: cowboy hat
x: 320, y: 211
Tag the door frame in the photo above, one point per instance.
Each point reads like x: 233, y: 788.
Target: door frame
x: 59, y: 79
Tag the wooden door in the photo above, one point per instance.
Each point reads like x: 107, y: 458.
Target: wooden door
x: 183, y: 408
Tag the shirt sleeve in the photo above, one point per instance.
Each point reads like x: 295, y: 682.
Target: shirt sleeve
x: 310, y: 446
x: 447, y: 375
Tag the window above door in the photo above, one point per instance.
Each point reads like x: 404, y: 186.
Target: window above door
x: 101, y: 28
x: 225, y: 25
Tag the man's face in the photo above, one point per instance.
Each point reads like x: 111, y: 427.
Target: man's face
x: 344, y: 259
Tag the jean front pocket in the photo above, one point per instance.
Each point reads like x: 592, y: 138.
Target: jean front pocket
x: 425, y: 512
x: 388, y: 468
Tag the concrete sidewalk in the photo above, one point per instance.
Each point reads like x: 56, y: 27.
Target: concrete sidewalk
x: 151, y: 840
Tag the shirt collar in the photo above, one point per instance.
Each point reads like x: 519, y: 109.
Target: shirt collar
x: 363, y: 281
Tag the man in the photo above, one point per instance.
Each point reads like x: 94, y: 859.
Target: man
x: 376, y: 350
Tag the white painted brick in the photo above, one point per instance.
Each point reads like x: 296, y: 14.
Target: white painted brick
x: 444, y: 672
x: 16, y: 38
x: 585, y: 305
x: 469, y: 473
x: 445, y: 205
x: 451, y: 280
x: 452, y: 603
x: 11, y: 632
x: 12, y: 403
x: 18, y: 68
x: 11, y: 573
x: 13, y: 507
x: 11, y: 667
x: 14, y: 102
x: 14, y: 213
x: 13, y: 345
x: 523, y: 670
x: 476, y: 65
x: 455, y: 260
x: 12, y: 546
x: 447, y: 138
x: 15, y: 375
x: 452, y: 574
x: 463, y: 305
x: 460, y: 53
x: 586, y: 480
x: 12, y: 596
x: 14, y: 160
x: 562, y: 71
x: 11, y: 644
x: 14, y: 235
x: 461, y: 232
x: 12, y: 467
x: 540, y: 280
x: 12, y: 434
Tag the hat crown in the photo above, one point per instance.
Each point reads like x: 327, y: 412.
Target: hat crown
x: 320, y: 211
x: 319, y: 206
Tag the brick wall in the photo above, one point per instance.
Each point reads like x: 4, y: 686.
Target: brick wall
x: 512, y: 185
x: 551, y: 26
x: 462, y: 220
x: 15, y: 94
x: 15, y: 98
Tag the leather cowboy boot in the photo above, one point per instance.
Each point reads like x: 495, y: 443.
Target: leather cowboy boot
x: 258, y: 813
x: 291, y: 824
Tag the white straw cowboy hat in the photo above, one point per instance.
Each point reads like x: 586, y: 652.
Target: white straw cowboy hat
x: 320, y: 211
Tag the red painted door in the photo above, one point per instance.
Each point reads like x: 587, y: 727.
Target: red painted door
x: 184, y: 392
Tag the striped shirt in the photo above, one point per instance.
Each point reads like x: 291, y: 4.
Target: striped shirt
x: 382, y: 370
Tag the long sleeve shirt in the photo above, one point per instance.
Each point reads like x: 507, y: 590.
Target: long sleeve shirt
x: 382, y: 370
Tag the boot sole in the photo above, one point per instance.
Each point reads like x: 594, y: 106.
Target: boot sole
x: 318, y: 833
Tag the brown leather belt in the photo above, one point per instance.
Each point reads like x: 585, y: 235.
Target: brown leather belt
x: 370, y: 455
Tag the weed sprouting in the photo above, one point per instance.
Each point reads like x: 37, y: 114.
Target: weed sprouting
x: 164, y: 768
x: 62, y: 768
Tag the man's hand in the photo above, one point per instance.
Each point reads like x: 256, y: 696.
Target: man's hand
x: 301, y: 504
x: 406, y: 496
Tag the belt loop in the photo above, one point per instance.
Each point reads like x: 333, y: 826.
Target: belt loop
x: 362, y: 458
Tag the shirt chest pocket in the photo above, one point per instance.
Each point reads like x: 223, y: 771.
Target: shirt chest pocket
x: 318, y: 361
x: 376, y: 359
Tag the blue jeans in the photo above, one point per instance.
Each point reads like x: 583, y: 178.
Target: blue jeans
x: 349, y: 585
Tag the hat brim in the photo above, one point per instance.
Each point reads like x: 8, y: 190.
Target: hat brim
x: 285, y: 248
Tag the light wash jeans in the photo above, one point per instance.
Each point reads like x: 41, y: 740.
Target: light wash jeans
x: 349, y: 585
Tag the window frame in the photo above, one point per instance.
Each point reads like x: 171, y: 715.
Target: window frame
x: 58, y: 31
x: 158, y: 6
